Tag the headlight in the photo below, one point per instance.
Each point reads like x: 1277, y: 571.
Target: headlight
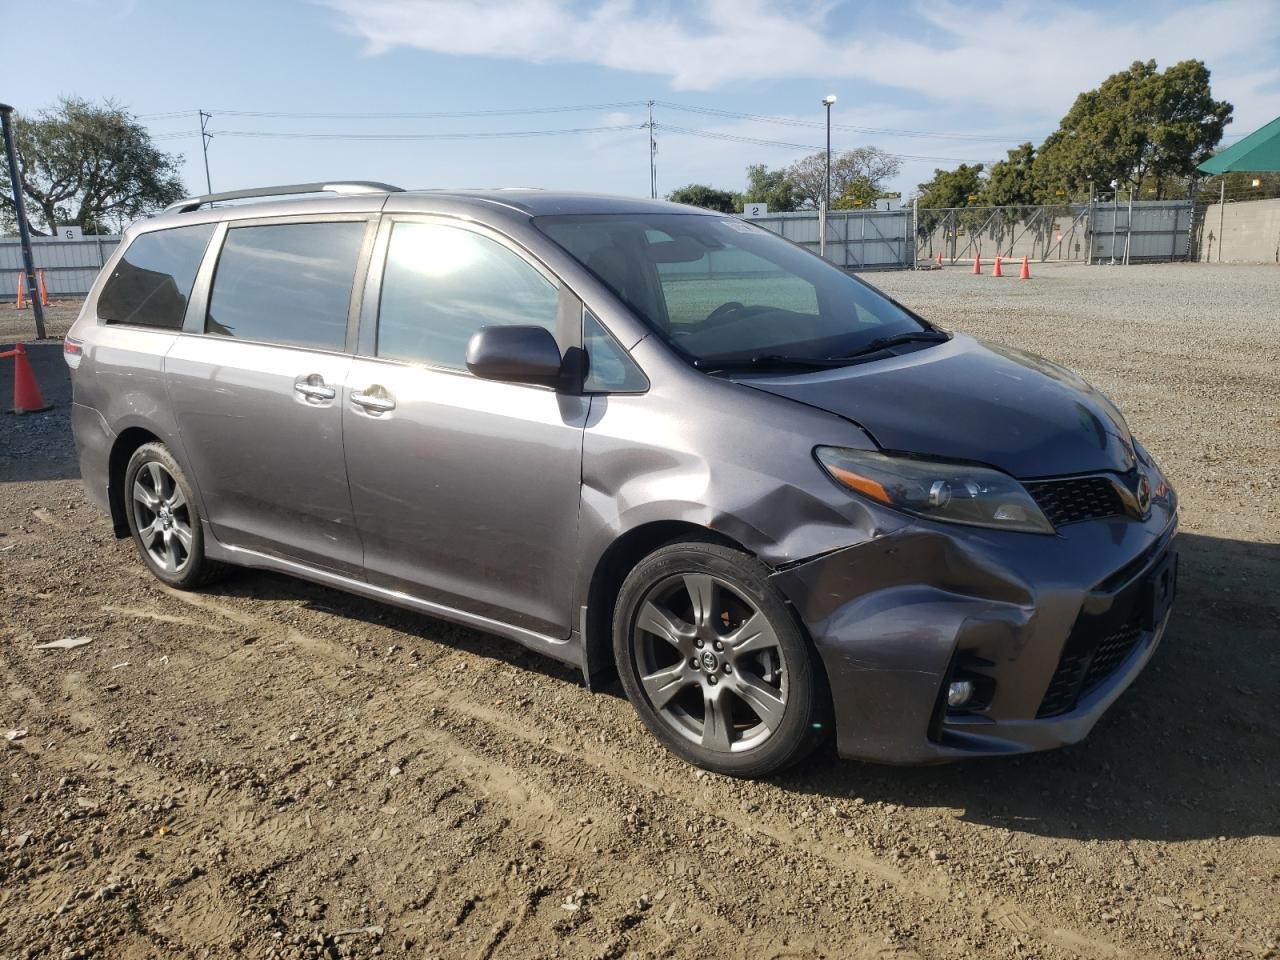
x: 953, y: 492
x: 1160, y: 488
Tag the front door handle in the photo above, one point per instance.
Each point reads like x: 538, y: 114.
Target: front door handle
x: 375, y: 400
x: 313, y: 387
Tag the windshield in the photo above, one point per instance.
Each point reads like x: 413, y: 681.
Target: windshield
x: 725, y: 292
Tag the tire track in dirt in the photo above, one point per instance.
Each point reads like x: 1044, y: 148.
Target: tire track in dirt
x: 928, y: 892
x: 527, y: 808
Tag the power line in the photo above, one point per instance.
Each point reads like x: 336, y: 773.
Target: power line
x: 487, y: 135
x: 797, y: 122
x: 614, y: 105
x: 436, y: 115
x: 569, y: 131
x: 735, y: 138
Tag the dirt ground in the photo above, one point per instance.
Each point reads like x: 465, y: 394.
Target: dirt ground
x: 273, y: 769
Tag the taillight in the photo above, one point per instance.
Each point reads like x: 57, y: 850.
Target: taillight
x: 72, y: 351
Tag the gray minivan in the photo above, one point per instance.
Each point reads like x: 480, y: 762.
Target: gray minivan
x: 647, y: 440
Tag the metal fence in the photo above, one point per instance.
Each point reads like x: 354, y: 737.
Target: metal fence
x: 1142, y: 230
x: 1084, y: 232
x: 69, y: 266
x: 856, y: 239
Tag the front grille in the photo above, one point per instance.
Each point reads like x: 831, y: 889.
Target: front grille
x: 1076, y: 498
x: 1110, y: 652
x: 1087, y: 660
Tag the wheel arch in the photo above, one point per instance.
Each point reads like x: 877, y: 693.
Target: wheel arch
x: 126, y: 443
x: 618, y: 560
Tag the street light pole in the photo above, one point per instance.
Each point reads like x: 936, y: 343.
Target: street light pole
x: 827, y: 101
x: 20, y: 215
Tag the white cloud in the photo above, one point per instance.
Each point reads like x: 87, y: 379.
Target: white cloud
x: 1024, y: 55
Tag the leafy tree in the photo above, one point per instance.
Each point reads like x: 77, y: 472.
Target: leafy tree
x: 961, y: 187
x: 709, y: 198
x: 1139, y: 125
x: 1011, y: 182
x: 808, y: 177
x: 770, y: 187
x: 859, y: 194
x: 81, y: 163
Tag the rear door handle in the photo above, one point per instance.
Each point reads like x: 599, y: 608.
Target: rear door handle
x: 313, y: 387
x: 375, y: 400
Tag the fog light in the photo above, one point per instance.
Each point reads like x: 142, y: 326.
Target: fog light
x: 959, y: 693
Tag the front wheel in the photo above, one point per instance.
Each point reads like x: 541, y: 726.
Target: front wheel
x: 713, y: 661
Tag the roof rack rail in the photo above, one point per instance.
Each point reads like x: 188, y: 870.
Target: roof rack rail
x: 343, y: 187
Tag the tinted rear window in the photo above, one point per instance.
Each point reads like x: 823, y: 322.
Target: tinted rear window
x: 152, y: 281
x: 286, y: 283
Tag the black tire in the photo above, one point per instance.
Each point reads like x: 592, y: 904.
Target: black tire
x: 165, y: 519
x: 763, y: 697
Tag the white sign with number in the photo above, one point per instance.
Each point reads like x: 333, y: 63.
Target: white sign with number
x: 70, y: 231
x: 755, y: 209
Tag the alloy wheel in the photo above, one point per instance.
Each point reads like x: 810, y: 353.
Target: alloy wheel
x: 710, y: 663
x: 162, y: 517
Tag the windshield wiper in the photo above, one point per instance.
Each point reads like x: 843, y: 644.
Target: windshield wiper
x: 883, y: 343
x: 777, y: 360
x: 768, y: 361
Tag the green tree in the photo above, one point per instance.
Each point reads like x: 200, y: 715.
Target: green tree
x: 1011, y: 182
x: 808, y: 177
x: 84, y: 164
x: 770, y: 187
x: 709, y: 198
x: 859, y: 194
x: 961, y: 187
x: 1140, y: 125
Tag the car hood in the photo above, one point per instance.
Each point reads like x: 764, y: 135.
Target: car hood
x: 967, y: 400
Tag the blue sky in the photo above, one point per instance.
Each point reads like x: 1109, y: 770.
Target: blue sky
x: 955, y: 71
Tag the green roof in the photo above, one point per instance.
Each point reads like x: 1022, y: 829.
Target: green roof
x: 1258, y: 152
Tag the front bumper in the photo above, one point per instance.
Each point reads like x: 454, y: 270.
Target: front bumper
x: 1051, y: 630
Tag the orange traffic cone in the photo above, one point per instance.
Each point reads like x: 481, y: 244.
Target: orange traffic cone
x: 1025, y: 274
x: 44, y: 291
x: 977, y: 263
x: 26, y: 392
x: 996, y: 272
x: 22, y: 292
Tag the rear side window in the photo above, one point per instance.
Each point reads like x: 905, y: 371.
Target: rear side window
x: 287, y: 283
x: 442, y: 284
x: 152, y: 281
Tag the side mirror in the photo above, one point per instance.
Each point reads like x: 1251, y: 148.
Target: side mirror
x: 515, y: 354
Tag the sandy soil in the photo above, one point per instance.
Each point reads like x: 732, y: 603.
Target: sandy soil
x: 270, y: 768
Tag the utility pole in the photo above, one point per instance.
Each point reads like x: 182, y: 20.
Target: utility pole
x: 205, y: 137
x: 20, y: 214
x: 653, y: 157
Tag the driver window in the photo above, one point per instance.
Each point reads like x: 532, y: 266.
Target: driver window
x: 443, y: 283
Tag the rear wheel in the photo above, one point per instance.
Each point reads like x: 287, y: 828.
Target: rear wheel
x: 713, y: 661
x: 164, y: 519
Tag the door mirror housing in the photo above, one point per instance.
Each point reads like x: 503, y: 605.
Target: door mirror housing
x: 515, y: 354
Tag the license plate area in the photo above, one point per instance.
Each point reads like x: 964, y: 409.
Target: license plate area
x: 1159, y: 590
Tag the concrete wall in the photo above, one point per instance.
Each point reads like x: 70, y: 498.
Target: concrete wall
x: 1245, y: 232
